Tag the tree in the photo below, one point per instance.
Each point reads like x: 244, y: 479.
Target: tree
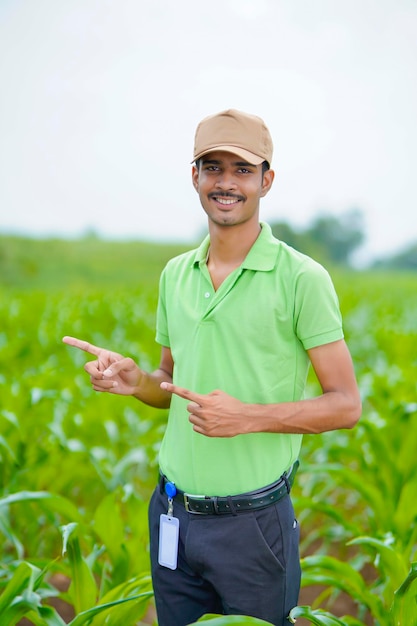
x: 285, y: 232
x: 328, y: 238
x: 406, y: 260
x: 339, y: 236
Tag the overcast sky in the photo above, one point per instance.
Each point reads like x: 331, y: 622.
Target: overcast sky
x: 99, y: 100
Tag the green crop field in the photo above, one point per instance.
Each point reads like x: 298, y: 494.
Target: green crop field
x: 77, y: 467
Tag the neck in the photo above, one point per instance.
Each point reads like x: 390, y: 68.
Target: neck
x: 231, y: 244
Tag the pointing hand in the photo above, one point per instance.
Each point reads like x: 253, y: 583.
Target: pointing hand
x: 215, y: 414
x: 111, y: 371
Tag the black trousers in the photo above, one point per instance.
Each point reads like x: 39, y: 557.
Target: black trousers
x: 243, y: 564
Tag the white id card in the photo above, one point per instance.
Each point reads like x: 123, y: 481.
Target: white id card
x: 169, y: 531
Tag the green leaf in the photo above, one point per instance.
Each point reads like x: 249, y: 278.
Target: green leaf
x: 86, y: 616
x: 20, y: 599
x: 326, y: 570
x: 320, y: 617
x: 405, y: 515
x: 8, y: 449
x: 320, y: 506
x: 348, y: 479
x: 53, y: 502
x: 7, y: 530
x: 20, y: 607
x: 83, y: 589
x: 404, y: 608
x: 128, y: 613
x: 23, y: 579
x: 109, y: 526
x: 10, y: 417
x: 391, y: 563
x: 45, y: 616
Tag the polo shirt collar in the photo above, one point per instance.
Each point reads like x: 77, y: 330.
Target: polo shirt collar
x: 201, y: 252
x: 262, y: 256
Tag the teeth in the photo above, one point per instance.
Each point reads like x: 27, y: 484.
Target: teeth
x: 226, y: 200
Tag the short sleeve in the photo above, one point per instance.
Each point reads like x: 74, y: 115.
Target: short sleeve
x: 162, y: 334
x: 317, y: 315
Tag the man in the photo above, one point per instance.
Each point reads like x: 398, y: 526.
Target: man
x: 239, y: 320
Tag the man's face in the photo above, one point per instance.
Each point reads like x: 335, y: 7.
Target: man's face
x: 229, y: 188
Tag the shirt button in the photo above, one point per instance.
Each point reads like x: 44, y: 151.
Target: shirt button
x: 207, y: 294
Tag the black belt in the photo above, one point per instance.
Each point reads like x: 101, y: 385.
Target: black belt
x: 220, y: 505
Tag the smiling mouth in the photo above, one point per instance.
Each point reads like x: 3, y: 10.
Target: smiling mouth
x: 226, y: 199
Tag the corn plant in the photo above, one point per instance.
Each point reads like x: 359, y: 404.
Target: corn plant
x: 77, y: 468
x: 392, y: 602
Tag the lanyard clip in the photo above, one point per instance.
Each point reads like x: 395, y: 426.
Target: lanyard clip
x: 170, y: 490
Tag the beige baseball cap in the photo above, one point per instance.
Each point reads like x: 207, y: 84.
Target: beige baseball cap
x: 237, y: 132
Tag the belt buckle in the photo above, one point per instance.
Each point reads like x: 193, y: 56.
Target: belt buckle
x: 187, y: 497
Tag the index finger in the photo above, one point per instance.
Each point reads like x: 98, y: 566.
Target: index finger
x: 182, y: 392
x: 82, y: 345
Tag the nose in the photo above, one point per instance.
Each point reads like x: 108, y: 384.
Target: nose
x: 226, y: 180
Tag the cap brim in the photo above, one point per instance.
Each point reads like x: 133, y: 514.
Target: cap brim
x: 247, y: 156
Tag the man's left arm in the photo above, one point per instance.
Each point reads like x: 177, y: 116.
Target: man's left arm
x: 218, y: 414
x: 339, y: 405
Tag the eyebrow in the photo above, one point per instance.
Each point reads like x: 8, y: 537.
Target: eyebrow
x: 237, y: 163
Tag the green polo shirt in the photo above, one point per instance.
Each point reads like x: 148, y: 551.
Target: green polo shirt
x: 249, y: 338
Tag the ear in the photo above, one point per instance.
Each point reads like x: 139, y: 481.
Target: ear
x: 267, y: 180
x: 194, y: 175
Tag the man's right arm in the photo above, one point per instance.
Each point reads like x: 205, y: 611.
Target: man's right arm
x: 149, y: 390
x: 113, y: 373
